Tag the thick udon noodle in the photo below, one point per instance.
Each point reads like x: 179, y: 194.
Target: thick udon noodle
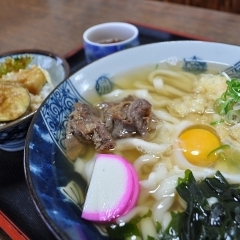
x: 178, y: 99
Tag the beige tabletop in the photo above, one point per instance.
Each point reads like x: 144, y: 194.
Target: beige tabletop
x: 58, y: 25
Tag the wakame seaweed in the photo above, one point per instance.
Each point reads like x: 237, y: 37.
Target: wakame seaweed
x: 127, y: 230
x: 200, y: 220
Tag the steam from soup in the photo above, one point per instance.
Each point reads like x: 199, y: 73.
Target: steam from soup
x: 180, y: 100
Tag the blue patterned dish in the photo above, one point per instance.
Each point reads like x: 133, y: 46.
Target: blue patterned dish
x: 57, y: 190
x: 12, y: 135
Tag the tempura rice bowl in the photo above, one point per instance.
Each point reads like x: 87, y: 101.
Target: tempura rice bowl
x: 13, y: 133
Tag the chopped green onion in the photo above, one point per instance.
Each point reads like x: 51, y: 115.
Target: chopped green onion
x: 219, y: 106
x: 218, y: 150
x: 233, y: 117
x: 229, y: 103
x: 216, y: 122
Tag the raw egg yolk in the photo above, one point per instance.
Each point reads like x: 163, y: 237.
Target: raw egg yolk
x: 197, y: 144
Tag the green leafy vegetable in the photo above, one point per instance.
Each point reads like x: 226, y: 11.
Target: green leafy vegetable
x: 217, y: 122
x: 200, y: 220
x: 229, y: 102
x: 14, y: 64
x: 127, y: 230
x: 219, y: 150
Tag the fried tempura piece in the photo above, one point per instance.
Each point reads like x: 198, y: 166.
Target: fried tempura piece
x: 14, y: 101
x: 13, y: 64
x: 33, y: 79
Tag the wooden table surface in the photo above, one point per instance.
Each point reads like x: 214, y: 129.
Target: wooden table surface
x: 58, y: 25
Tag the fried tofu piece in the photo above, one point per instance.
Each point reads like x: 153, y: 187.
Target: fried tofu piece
x: 33, y: 79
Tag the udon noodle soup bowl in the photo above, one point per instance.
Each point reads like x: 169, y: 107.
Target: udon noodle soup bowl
x: 13, y: 130
x: 182, y: 88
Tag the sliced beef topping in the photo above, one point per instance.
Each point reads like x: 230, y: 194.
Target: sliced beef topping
x: 139, y: 112
x: 110, y: 121
x: 85, y: 124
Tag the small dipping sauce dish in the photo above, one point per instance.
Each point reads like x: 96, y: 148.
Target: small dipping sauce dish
x: 107, y: 38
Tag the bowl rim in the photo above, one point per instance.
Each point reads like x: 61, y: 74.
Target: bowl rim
x: 102, y: 26
x: 64, y: 63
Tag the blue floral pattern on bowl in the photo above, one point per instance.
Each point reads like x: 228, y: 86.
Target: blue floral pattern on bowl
x: 59, y: 105
x: 197, y: 65
x: 61, y: 190
x: 103, y: 85
x: 57, y: 109
x: 194, y: 65
x: 93, y: 53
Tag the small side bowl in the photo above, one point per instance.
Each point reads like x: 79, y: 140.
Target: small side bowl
x: 107, y: 38
x: 13, y: 134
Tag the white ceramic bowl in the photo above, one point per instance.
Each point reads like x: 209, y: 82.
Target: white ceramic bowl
x: 12, y: 134
x: 57, y: 189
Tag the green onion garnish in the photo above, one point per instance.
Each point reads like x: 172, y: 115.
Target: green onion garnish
x: 218, y: 150
x: 229, y: 103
